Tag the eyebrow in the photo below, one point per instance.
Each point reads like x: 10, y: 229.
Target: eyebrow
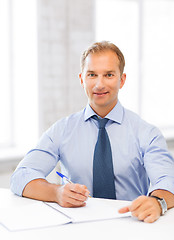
x: 90, y: 71
x: 109, y: 71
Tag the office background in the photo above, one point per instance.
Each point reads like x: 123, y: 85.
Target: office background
x: 40, y: 44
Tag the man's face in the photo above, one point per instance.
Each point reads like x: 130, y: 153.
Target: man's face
x: 101, y: 81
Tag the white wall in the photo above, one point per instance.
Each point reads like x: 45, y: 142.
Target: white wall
x: 65, y: 29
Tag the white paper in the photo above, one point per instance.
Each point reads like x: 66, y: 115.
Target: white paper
x: 37, y: 214
x: 34, y: 215
x: 95, y: 209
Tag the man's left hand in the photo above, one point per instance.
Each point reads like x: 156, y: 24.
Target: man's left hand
x: 144, y: 208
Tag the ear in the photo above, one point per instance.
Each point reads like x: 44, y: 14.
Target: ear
x: 81, y: 79
x: 122, y: 80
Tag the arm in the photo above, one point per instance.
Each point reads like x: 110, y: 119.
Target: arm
x: 69, y: 195
x: 148, y: 209
x: 159, y: 166
x: 29, y: 179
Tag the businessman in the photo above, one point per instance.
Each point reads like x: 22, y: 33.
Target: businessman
x: 106, y: 150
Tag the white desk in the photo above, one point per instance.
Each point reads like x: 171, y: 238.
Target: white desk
x: 124, y: 228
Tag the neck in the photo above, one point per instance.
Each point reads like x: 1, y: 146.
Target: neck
x: 102, y: 111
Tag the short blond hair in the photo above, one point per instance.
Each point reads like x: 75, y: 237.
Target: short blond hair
x: 102, y: 46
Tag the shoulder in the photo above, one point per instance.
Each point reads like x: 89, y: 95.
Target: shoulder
x: 71, y: 120
x: 140, y: 127
x: 66, y: 124
x: 133, y: 118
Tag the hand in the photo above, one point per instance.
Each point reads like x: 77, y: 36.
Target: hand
x: 146, y: 209
x: 72, y: 195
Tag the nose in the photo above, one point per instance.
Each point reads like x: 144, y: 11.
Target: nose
x: 99, y: 82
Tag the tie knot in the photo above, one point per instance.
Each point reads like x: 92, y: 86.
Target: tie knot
x: 101, y: 121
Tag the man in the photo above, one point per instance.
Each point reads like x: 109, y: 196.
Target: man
x: 138, y: 150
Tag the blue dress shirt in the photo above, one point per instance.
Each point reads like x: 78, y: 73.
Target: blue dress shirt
x: 140, y: 156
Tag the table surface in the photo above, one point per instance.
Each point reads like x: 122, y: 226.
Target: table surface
x: 120, y: 228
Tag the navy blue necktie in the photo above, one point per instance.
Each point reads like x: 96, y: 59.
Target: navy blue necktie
x: 103, y: 174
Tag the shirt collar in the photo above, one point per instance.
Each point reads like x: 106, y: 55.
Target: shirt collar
x: 116, y: 114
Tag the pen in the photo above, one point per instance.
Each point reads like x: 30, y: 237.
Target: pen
x: 66, y: 178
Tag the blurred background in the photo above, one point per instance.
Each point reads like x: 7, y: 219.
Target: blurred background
x: 41, y: 42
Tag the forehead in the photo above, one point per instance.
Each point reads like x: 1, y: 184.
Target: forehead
x: 105, y: 59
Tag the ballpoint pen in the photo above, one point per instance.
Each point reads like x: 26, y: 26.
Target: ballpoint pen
x: 65, y: 178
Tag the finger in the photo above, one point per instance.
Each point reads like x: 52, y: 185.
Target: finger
x: 147, y: 211
x: 143, y: 211
x: 80, y: 189
x: 66, y: 200
x: 73, y: 194
x: 148, y: 204
x: 140, y: 210
x: 150, y: 219
x: 79, y: 205
x: 137, y: 203
x: 124, y: 209
x: 71, y: 202
x: 142, y: 215
x: 77, y: 196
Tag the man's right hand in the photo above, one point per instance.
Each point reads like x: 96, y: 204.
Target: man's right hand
x: 69, y: 195
x: 72, y: 195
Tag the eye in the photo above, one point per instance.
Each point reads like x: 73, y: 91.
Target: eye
x: 91, y: 75
x: 109, y: 75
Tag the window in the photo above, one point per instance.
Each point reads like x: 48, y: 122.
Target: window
x: 143, y: 30
x: 18, y: 73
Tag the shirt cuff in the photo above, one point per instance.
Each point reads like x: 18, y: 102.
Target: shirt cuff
x: 21, y: 177
x: 164, y: 184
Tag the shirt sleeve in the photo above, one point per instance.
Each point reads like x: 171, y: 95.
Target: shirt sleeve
x: 158, y: 162
x: 38, y: 163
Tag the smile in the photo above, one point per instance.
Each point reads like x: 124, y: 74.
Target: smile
x: 100, y: 93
